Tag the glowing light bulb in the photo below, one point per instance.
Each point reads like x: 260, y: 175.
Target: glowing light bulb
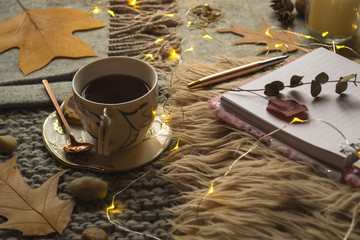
x: 111, y: 13
x: 149, y: 55
x: 306, y: 36
x: 173, y: 55
x: 211, y: 190
x: 189, y: 49
x: 297, y: 120
x: 111, y: 207
x: 279, y: 45
x: 268, y: 33
x: 176, y: 146
x: 96, y: 10
x: 324, y: 34
x: 132, y: 3
x: 169, y: 15
x: 207, y: 36
x: 159, y: 40
x: 339, y: 46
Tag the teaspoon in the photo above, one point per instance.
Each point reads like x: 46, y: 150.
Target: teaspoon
x: 74, y: 146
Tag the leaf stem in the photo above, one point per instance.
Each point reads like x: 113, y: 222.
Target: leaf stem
x: 21, y: 5
x: 29, y: 16
x: 286, y: 86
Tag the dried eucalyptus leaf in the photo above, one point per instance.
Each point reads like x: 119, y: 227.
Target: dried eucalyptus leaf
x: 278, y: 84
x: 271, y: 90
x: 322, y: 78
x: 341, y: 87
x: 347, y: 78
x: 315, y: 88
x: 296, y: 80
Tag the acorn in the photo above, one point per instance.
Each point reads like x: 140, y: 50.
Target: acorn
x: 88, y: 188
x: 7, y: 144
x: 93, y: 233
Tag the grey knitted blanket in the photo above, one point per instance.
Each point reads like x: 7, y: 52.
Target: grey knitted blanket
x: 145, y: 201
x: 24, y: 106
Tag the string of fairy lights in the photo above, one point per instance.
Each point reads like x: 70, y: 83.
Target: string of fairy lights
x: 201, y: 17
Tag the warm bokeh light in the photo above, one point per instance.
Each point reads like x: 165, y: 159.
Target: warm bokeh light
x: 191, y: 48
x: 111, y: 13
x: 306, y: 36
x: 169, y: 15
x: 159, y: 40
x: 173, y: 55
x: 297, y: 120
x: 96, y: 9
x: 149, y: 55
x: 207, y: 36
x: 176, y: 146
x: 211, y: 190
x: 132, y: 3
x: 268, y: 33
x: 111, y: 207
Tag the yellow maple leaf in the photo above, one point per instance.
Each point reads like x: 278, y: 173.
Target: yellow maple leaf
x: 43, y: 34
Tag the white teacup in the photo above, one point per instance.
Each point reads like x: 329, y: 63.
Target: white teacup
x: 116, y: 124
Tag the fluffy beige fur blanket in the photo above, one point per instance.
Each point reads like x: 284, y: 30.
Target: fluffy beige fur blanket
x: 265, y: 195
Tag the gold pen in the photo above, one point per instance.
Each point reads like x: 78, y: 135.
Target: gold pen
x: 236, y: 72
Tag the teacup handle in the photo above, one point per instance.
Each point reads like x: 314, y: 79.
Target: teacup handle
x: 104, y: 134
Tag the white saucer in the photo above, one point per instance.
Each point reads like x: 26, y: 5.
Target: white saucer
x: 55, y: 139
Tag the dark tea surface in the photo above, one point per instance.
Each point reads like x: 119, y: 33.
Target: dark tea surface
x: 116, y: 88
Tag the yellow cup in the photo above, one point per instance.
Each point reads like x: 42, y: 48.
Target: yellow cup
x: 332, y: 21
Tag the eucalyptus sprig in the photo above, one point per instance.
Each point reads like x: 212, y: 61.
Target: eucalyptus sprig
x: 273, y: 89
x: 289, y: 108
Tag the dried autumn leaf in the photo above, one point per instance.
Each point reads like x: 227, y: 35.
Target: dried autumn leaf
x: 286, y: 108
x: 284, y: 41
x: 32, y: 211
x: 43, y: 34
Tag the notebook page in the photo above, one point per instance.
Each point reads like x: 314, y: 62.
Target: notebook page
x: 342, y: 111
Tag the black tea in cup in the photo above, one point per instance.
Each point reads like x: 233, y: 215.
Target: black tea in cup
x: 117, y: 88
